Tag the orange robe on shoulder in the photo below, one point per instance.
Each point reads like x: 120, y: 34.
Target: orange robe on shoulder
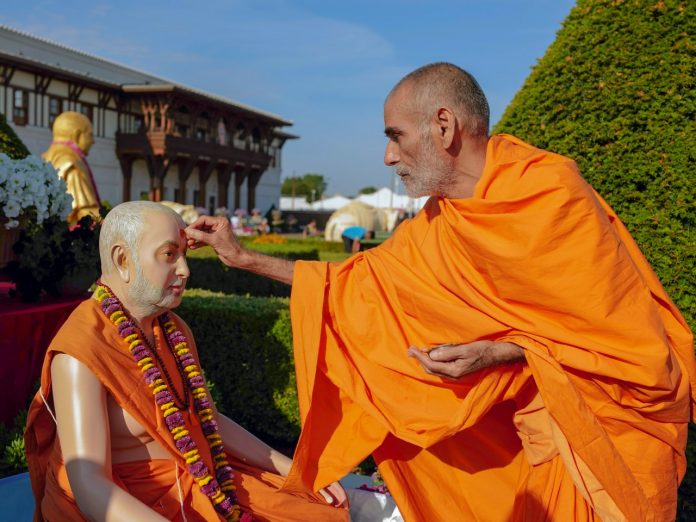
x: 594, y: 426
x: 92, y: 339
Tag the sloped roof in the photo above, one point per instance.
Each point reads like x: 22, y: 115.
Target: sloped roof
x: 28, y: 48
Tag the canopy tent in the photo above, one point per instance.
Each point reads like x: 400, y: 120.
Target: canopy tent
x: 356, y: 214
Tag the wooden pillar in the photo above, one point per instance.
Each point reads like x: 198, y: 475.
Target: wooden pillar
x: 205, y: 169
x: 184, y: 167
x: 224, y: 173
x: 254, y: 177
x: 127, y: 172
x: 157, y: 167
x: 239, y: 175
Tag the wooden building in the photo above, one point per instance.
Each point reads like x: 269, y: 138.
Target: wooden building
x: 154, y: 139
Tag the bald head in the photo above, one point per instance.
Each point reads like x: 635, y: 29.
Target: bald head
x: 125, y: 224
x: 75, y: 127
x: 446, y: 85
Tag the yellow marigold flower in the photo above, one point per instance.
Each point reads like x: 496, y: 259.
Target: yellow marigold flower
x: 167, y: 405
x: 171, y: 410
x: 193, y: 374
x: 144, y: 361
x: 182, y: 433
x: 204, y: 480
x: 159, y: 388
x: 191, y: 453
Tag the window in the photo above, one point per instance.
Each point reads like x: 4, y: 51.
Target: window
x: 86, y: 110
x: 55, y: 107
x: 201, y: 134
x: 20, y: 112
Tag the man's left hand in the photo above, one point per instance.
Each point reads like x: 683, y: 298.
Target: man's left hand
x: 454, y: 361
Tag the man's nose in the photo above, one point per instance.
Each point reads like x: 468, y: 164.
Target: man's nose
x: 182, y: 269
x: 391, y: 154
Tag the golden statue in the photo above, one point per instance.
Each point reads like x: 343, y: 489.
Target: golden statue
x: 72, y: 139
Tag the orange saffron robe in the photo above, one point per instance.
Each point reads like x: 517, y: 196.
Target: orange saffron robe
x: 594, y: 426
x: 91, y: 338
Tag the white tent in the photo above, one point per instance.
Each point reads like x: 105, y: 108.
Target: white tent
x: 385, y: 198
x: 333, y: 203
x: 289, y: 203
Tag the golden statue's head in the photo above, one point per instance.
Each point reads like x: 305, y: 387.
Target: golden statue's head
x: 75, y: 127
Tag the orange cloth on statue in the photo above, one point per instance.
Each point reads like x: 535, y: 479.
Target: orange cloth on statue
x: 594, y: 425
x: 88, y: 336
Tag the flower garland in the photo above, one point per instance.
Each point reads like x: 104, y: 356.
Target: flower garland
x: 220, y: 489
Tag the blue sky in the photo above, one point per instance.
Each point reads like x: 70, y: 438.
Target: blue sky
x: 325, y: 65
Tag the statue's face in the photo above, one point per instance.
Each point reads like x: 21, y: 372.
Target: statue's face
x: 161, y: 271
x: 85, y: 139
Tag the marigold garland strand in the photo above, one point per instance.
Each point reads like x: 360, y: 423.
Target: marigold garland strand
x: 220, y: 488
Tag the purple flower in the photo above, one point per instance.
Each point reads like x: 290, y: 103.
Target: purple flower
x: 185, y: 444
x: 209, y: 427
x: 225, y: 506
x: 163, y: 397
x: 198, y: 469
x: 197, y: 381
x: 210, y: 488
x: 174, y: 420
x: 202, y: 403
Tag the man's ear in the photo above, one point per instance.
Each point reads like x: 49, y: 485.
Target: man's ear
x: 447, y: 126
x: 121, y: 262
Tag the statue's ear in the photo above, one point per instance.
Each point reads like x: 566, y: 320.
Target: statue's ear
x: 121, y: 262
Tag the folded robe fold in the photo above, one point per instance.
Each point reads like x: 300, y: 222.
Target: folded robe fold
x: 535, y: 257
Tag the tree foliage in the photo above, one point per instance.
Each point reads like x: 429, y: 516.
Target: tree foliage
x: 616, y: 92
x: 311, y: 185
x: 367, y: 190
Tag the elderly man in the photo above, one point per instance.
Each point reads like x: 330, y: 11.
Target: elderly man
x: 567, y: 379
x: 123, y: 427
x: 72, y: 140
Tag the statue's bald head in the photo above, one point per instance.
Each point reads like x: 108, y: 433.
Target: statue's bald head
x: 75, y: 127
x: 443, y: 84
x: 124, y: 224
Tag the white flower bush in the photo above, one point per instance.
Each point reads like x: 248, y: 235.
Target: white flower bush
x: 31, y: 189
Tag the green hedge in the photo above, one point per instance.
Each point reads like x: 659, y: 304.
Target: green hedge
x: 245, y: 345
x: 616, y: 91
x: 207, y: 272
x: 10, y: 143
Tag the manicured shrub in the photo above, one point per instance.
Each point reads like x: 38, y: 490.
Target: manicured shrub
x: 616, y: 92
x: 245, y: 345
x: 10, y: 143
x: 208, y: 273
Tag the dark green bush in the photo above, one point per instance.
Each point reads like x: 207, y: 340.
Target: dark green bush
x: 616, y: 92
x: 245, y: 345
x: 13, y: 460
x: 10, y: 143
x: 208, y: 273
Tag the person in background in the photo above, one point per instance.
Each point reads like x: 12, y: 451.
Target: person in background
x: 352, y: 237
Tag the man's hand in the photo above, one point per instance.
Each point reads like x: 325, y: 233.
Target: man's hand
x: 454, y: 361
x: 335, y: 495
x: 216, y: 232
